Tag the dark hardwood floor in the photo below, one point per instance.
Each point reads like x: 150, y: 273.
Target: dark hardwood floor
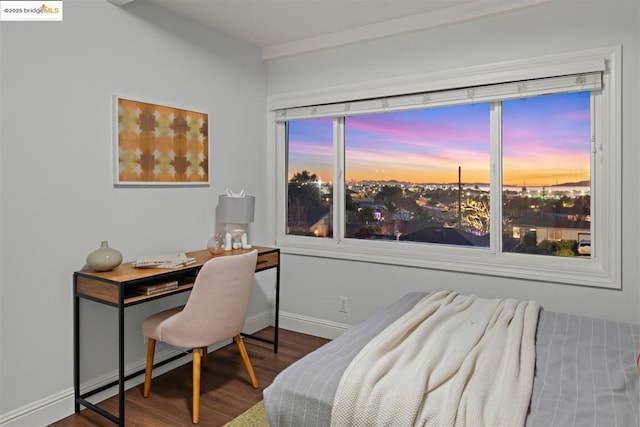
x: 225, y: 390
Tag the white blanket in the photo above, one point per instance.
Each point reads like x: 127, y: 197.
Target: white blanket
x: 453, y: 360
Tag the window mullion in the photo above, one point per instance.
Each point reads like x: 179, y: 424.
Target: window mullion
x: 495, y: 203
x: 596, y: 241
x: 338, y: 180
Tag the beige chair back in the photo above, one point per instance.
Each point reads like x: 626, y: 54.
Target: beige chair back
x: 218, y: 304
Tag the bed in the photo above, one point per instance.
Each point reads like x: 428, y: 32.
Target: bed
x: 585, y: 372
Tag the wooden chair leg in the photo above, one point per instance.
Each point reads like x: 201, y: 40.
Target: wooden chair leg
x: 205, y: 357
x: 151, y: 349
x: 245, y: 359
x: 196, y: 384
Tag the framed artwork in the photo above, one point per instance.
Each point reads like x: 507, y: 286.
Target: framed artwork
x: 157, y: 145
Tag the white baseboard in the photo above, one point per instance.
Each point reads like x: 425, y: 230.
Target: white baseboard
x: 312, y: 326
x: 60, y: 405
x: 41, y: 412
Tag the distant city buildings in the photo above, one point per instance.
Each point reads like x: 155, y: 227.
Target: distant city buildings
x: 440, y: 213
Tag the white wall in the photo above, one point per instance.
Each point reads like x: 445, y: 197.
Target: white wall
x: 555, y: 27
x: 58, y: 200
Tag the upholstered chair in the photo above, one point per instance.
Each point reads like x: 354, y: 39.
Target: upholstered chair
x: 215, y: 311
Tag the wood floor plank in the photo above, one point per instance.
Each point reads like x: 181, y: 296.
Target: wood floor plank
x: 226, y: 390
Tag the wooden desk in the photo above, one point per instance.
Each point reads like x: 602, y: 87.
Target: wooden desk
x: 118, y: 288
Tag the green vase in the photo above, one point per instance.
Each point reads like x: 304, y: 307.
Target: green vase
x: 105, y: 258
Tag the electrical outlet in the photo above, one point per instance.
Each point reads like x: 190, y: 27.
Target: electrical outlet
x: 343, y: 304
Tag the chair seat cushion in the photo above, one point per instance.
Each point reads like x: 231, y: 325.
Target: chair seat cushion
x: 153, y: 325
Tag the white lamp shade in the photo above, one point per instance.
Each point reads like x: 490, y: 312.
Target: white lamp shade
x: 235, y: 210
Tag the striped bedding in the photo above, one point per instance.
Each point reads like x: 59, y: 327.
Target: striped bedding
x: 585, y: 373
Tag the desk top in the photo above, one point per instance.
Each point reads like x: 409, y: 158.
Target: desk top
x: 126, y: 272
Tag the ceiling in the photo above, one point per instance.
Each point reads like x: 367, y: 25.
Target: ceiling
x: 285, y: 27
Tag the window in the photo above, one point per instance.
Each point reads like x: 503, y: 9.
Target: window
x: 546, y: 178
x: 555, y: 235
x: 309, y: 198
x: 403, y: 175
x: 513, y: 178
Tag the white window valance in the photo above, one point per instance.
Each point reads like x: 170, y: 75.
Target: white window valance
x: 590, y: 81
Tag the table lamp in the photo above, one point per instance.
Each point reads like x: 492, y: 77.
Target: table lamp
x: 235, y: 210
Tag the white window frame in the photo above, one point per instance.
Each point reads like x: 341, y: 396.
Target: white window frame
x: 603, y: 269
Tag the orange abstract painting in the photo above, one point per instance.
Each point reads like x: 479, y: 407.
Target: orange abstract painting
x: 159, y: 145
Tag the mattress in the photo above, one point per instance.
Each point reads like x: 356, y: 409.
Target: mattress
x: 585, y: 374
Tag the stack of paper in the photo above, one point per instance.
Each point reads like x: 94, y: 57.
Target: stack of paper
x: 163, y: 260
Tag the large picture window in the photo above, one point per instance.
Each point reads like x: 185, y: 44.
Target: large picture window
x: 506, y: 178
x: 403, y: 175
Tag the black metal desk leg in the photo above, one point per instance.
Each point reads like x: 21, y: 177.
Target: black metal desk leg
x: 121, y: 396
x: 76, y: 347
x: 275, y: 335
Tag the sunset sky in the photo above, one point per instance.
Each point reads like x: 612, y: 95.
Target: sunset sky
x: 546, y: 141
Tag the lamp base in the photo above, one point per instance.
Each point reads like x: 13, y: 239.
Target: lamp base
x: 236, y: 239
